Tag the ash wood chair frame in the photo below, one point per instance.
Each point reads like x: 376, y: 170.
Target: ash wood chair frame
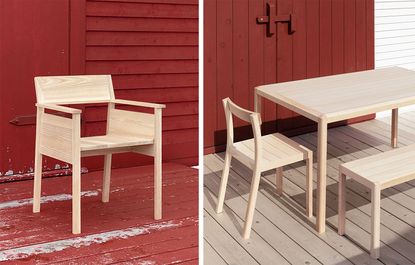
x: 340, y: 97
x: 376, y: 172
x: 261, y: 153
x: 60, y: 137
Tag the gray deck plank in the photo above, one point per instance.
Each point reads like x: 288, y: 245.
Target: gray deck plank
x: 285, y: 214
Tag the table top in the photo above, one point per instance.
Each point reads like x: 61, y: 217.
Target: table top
x: 344, y: 96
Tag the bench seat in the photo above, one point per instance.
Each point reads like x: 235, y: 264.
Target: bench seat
x: 376, y: 172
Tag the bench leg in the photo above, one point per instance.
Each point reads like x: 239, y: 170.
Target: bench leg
x: 394, y: 128
x: 309, y: 189
x: 224, y: 182
x: 375, y: 228
x: 38, y: 182
x: 251, y: 203
x: 342, y: 204
x: 107, y: 178
x: 279, y: 180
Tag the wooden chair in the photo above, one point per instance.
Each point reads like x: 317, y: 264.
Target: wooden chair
x: 261, y: 153
x: 60, y: 137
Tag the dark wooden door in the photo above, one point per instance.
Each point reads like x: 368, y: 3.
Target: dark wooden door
x: 331, y: 37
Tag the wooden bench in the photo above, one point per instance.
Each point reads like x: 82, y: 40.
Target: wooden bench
x: 376, y: 172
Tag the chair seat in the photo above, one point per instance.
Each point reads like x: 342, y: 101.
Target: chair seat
x: 112, y: 141
x: 278, y: 150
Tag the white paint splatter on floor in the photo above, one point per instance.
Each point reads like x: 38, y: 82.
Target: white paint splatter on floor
x: 83, y: 241
x: 51, y: 198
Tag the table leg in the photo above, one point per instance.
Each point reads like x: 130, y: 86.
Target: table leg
x: 321, y: 178
x: 394, y: 128
x: 257, y: 103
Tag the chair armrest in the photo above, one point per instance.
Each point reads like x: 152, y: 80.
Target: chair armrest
x: 59, y: 108
x: 138, y: 103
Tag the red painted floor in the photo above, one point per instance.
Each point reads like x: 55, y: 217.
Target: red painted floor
x: 121, y: 231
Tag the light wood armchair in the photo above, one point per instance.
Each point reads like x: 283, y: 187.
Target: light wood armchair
x: 262, y: 153
x: 60, y: 137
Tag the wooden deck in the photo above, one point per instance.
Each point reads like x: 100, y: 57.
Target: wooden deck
x: 283, y: 235
x: 121, y: 231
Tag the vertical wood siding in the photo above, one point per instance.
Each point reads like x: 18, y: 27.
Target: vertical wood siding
x: 395, y: 33
x: 332, y: 37
x: 149, y: 46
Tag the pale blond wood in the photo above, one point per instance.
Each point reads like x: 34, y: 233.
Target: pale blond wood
x: 157, y: 165
x: 321, y: 176
x: 56, y: 137
x: 279, y: 180
x: 253, y: 193
x: 342, y: 204
x: 378, y: 172
x: 59, y: 137
x: 138, y: 103
x: 309, y: 188
x: 73, y: 89
x: 375, y: 226
x: 76, y: 174
x: 345, y: 96
x: 339, y: 97
x: 223, y: 182
x: 106, y: 178
x: 59, y: 108
x: 112, y: 141
x: 260, y: 154
x: 139, y: 124
x: 37, y: 186
x: 394, y: 128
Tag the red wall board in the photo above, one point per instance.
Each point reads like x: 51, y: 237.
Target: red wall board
x: 148, y: 46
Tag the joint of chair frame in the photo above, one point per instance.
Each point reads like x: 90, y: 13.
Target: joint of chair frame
x: 138, y: 103
x: 59, y: 108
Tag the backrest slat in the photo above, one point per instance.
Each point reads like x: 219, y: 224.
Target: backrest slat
x: 74, y: 89
x: 249, y: 116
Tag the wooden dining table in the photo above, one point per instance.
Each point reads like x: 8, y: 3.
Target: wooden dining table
x: 340, y: 97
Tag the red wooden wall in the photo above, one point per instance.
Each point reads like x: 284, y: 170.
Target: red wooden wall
x: 148, y: 46
x: 332, y: 36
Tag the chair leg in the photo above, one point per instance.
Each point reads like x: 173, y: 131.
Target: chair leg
x: 342, y: 205
x: 251, y: 204
x: 223, y: 182
x: 37, y: 187
x: 309, y: 189
x: 107, y: 178
x: 279, y: 180
x: 375, y: 228
x: 76, y: 196
x: 157, y: 186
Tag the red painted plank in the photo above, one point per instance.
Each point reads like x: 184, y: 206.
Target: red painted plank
x: 132, y: 189
x: 338, y: 36
x: 155, y: 80
x: 370, y: 34
x: 361, y: 35
x: 313, y: 33
x: 224, y: 59
x: 325, y: 37
x: 240, y: 54
x: 141, y: 24
x: 150, y: 53
x: 142, y: 67
x: 184, y: 2
x: 350, y: 35
x: 143, y: 10
x: 77, y: 37
x: 141, y: 38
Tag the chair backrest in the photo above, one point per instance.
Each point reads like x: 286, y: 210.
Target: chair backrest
x: 251, y: 117
x: 74, y: 89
